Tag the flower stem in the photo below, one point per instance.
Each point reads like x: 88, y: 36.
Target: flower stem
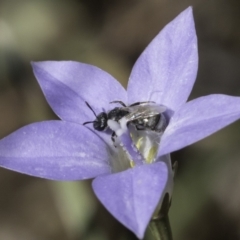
x: 160, y: 228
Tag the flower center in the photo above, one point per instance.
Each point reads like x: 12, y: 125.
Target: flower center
x: 139, y: 140
x: 147, y: 142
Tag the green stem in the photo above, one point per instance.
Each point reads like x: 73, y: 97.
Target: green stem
x: 160, y: 228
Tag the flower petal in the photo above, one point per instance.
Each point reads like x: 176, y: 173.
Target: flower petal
x: 166, y: 70
x: 131, y: 196
x: 67, y: 85
x: 198, y: 119
x: 55, y: 150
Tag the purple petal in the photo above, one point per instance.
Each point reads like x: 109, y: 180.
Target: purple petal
x: 198, y: 119
x: 166, y: 70
x: 55, y: 150
x: 67, y: 85
x: 132, y: 196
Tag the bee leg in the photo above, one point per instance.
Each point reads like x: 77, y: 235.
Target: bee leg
x: 120, y: 102
x: 113, y: 138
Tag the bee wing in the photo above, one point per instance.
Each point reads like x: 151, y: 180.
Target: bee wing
x: 144, y: 111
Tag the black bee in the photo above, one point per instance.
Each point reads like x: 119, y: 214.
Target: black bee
x: 100, y: 123
x: 143, y: 115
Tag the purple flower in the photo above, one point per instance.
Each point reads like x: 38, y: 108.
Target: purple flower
x: 66, y: 150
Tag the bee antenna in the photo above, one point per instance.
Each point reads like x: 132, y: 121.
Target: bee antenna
x: 92, y: 111
x: 120, y: 102
x: 88, y: 122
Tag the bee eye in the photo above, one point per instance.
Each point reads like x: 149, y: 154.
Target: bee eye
x: 100, y: 126
x: 101, y: 122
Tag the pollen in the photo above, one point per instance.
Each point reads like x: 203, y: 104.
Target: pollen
x: 132, y: 164
x: 151, y: 154
x: 147, y: 144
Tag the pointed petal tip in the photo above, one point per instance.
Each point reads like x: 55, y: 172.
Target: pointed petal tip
x: 186, y: 15
x: 188, y: 11
x: 33, y: 64
x: 184, y: 18
x: 37, y: 65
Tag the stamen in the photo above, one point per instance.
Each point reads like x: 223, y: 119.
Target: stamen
x: 147, y: 143
x: 140, y: 145
x: 126, y: 143
x: 133, y: 153
x: 151, y: 154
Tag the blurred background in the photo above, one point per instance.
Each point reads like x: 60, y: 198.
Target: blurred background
x: 111, y: 34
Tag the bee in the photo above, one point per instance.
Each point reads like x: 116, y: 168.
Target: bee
x: 144, y: 116
x: 147, y: 116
